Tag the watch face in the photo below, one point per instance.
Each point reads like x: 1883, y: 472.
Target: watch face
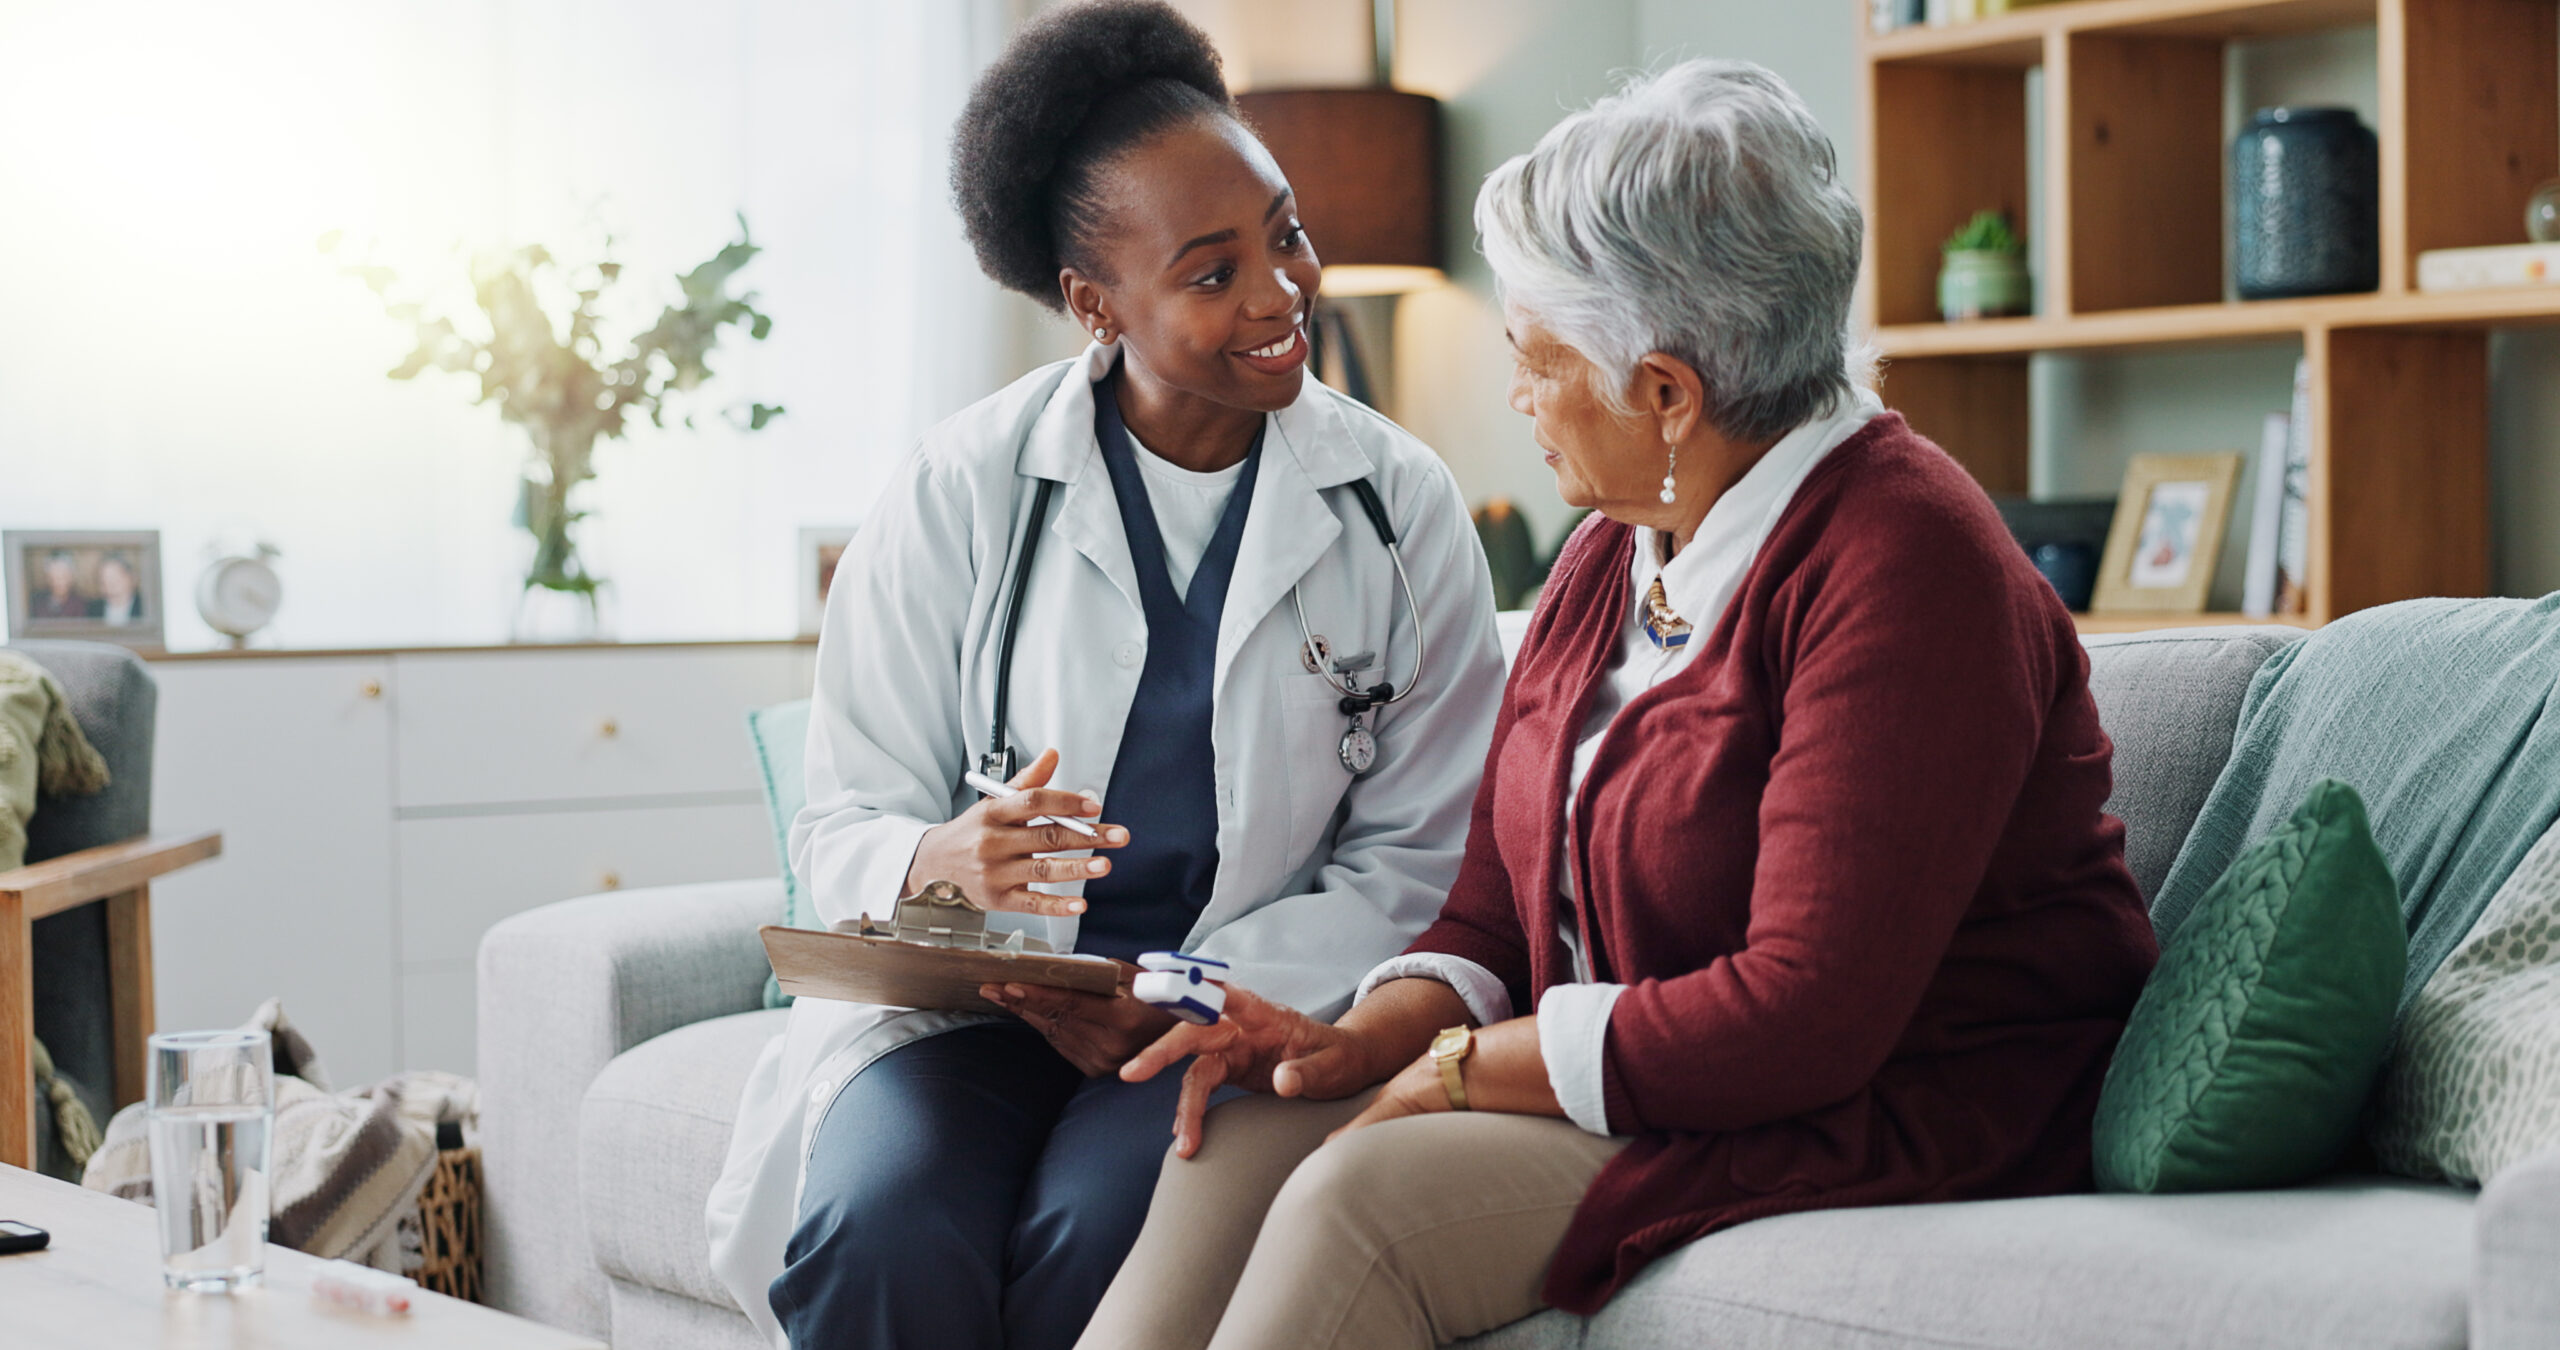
x: 1359, y: 750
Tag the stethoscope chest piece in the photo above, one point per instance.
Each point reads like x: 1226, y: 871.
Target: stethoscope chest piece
x: 1359, y: 749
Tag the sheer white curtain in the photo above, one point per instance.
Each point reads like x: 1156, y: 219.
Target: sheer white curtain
x: 200, y: 369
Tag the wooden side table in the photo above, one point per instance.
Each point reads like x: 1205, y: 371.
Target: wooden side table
x: 98, y: 1284
x: 120, y: 876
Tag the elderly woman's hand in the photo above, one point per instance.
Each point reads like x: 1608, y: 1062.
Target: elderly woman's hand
x: 1506, y: 1073
x: 1255, y: 1044
x: 1095, y: 1032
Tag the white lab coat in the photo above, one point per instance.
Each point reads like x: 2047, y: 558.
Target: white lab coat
x: 1320, y: 877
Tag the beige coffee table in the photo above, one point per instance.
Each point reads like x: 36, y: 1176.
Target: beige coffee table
x: 98, y: 1284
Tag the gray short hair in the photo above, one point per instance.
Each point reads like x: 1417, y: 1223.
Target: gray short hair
x: 1697, y: 213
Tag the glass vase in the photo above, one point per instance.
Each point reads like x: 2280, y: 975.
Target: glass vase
x: 560, y: 601
x: 549, y: 614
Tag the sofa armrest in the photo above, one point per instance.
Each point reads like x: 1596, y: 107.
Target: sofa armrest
x: 562, y: 990
x: 2515, y: 1298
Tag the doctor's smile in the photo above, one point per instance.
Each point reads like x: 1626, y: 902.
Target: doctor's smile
x: 1281, y: 357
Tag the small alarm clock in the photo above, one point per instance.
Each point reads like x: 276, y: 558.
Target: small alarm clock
x: 238, y: 595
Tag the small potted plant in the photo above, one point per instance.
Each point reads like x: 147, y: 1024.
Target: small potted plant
x: 1985, y: 273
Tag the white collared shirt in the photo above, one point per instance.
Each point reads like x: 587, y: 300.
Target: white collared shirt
x: 1698, y: 583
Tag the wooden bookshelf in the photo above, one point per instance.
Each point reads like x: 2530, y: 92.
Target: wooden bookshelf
x: 2133, y: 172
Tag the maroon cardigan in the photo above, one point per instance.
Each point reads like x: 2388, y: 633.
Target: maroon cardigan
x: 1851, y: 862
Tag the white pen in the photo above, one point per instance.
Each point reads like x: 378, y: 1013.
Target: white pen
x: 993, y: 788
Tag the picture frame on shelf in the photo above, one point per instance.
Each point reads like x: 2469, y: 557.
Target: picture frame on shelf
x: 2166, y: 541
x: 89, y: 585
x: 814, y: 570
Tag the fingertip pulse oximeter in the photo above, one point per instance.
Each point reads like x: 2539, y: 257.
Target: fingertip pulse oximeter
x: 1190, y: 987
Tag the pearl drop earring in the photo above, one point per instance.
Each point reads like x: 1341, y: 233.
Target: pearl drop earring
x: 1670, y: 487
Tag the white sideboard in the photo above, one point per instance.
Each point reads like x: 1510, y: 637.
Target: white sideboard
x: 381, y: 810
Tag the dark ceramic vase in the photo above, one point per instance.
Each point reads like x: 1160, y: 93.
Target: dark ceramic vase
x: 2305, y: 215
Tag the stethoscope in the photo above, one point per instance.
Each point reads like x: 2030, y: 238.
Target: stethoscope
x: 1358, y: 748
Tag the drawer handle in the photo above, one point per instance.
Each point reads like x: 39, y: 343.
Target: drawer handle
x: 610, y: 729
x: 612, y: 881
x: 370, y: 689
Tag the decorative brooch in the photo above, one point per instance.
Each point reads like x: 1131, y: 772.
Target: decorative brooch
x: 1661, y: 622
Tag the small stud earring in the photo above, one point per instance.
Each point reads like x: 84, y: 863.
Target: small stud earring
x: 1670, y: 487
x: 1102, y: 335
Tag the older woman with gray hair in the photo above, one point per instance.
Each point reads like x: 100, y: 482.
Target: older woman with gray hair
x: 1789, y: 884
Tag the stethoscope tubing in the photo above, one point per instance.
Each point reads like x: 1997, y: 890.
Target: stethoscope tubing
x: 1000, y: 753
x: 1323, y: 664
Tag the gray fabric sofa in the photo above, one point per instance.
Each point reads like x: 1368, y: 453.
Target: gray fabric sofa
x: 616, y: 1032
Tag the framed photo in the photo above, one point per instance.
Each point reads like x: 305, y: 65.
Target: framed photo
x: 2167, y: 536
x: 821, y: 547
x: 99, y: 585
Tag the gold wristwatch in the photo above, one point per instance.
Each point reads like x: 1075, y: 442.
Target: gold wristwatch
x: 1449, y: 1050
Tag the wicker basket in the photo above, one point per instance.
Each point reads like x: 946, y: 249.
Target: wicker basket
x: 449, y: 1218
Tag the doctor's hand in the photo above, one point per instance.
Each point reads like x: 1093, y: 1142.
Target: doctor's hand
x: 1095, y: 1032
x: 990, y: 850
x: 1258, y: 1045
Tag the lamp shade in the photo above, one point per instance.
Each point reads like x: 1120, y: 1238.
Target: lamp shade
x: 1366, y: 167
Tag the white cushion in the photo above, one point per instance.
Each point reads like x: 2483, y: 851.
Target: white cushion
x: 651, y: 1136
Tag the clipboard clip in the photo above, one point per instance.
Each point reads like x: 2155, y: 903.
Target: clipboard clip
x: 942, y: 915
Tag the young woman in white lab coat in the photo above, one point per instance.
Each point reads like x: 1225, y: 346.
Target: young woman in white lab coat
x: 959, y: 1180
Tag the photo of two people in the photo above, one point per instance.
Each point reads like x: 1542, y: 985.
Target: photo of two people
x: 85, y: 584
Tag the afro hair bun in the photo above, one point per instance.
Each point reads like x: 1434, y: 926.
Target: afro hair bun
x: 1076, y: 86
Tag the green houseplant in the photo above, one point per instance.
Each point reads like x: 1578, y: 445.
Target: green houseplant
x: 1984, y: 274
x: 538, y: 352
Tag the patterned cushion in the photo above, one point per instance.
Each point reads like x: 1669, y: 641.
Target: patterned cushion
x: 2247, y: 1059
x: 2474, y: 1083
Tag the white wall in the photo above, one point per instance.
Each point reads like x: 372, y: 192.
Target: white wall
x: 182, y: 358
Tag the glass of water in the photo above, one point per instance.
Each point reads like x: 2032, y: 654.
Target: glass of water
x: 213, y: 1102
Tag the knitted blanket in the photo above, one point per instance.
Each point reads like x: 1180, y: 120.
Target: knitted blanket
x: 2442, y: 714
x: 41, y: 750
x: 347, y: 1166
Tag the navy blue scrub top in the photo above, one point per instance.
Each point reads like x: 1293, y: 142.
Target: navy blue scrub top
x: 1164, y: 783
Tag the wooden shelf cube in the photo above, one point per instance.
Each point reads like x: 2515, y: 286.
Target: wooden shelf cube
x: 2138, y: 148
x: 1947, y: 141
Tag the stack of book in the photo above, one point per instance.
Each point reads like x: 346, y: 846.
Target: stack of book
x: 2276, y: 581
x: 2480, y: 269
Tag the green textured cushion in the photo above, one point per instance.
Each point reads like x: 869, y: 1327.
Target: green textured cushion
x: 2247, y: 1060
x: 781, y: 734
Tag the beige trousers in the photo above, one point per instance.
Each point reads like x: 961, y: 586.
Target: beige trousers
x: 1412, y: 1233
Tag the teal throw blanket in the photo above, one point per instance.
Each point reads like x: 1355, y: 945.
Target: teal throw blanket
x: 2443, y: 714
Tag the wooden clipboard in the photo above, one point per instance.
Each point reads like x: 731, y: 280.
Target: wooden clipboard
x: 815, y: 963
